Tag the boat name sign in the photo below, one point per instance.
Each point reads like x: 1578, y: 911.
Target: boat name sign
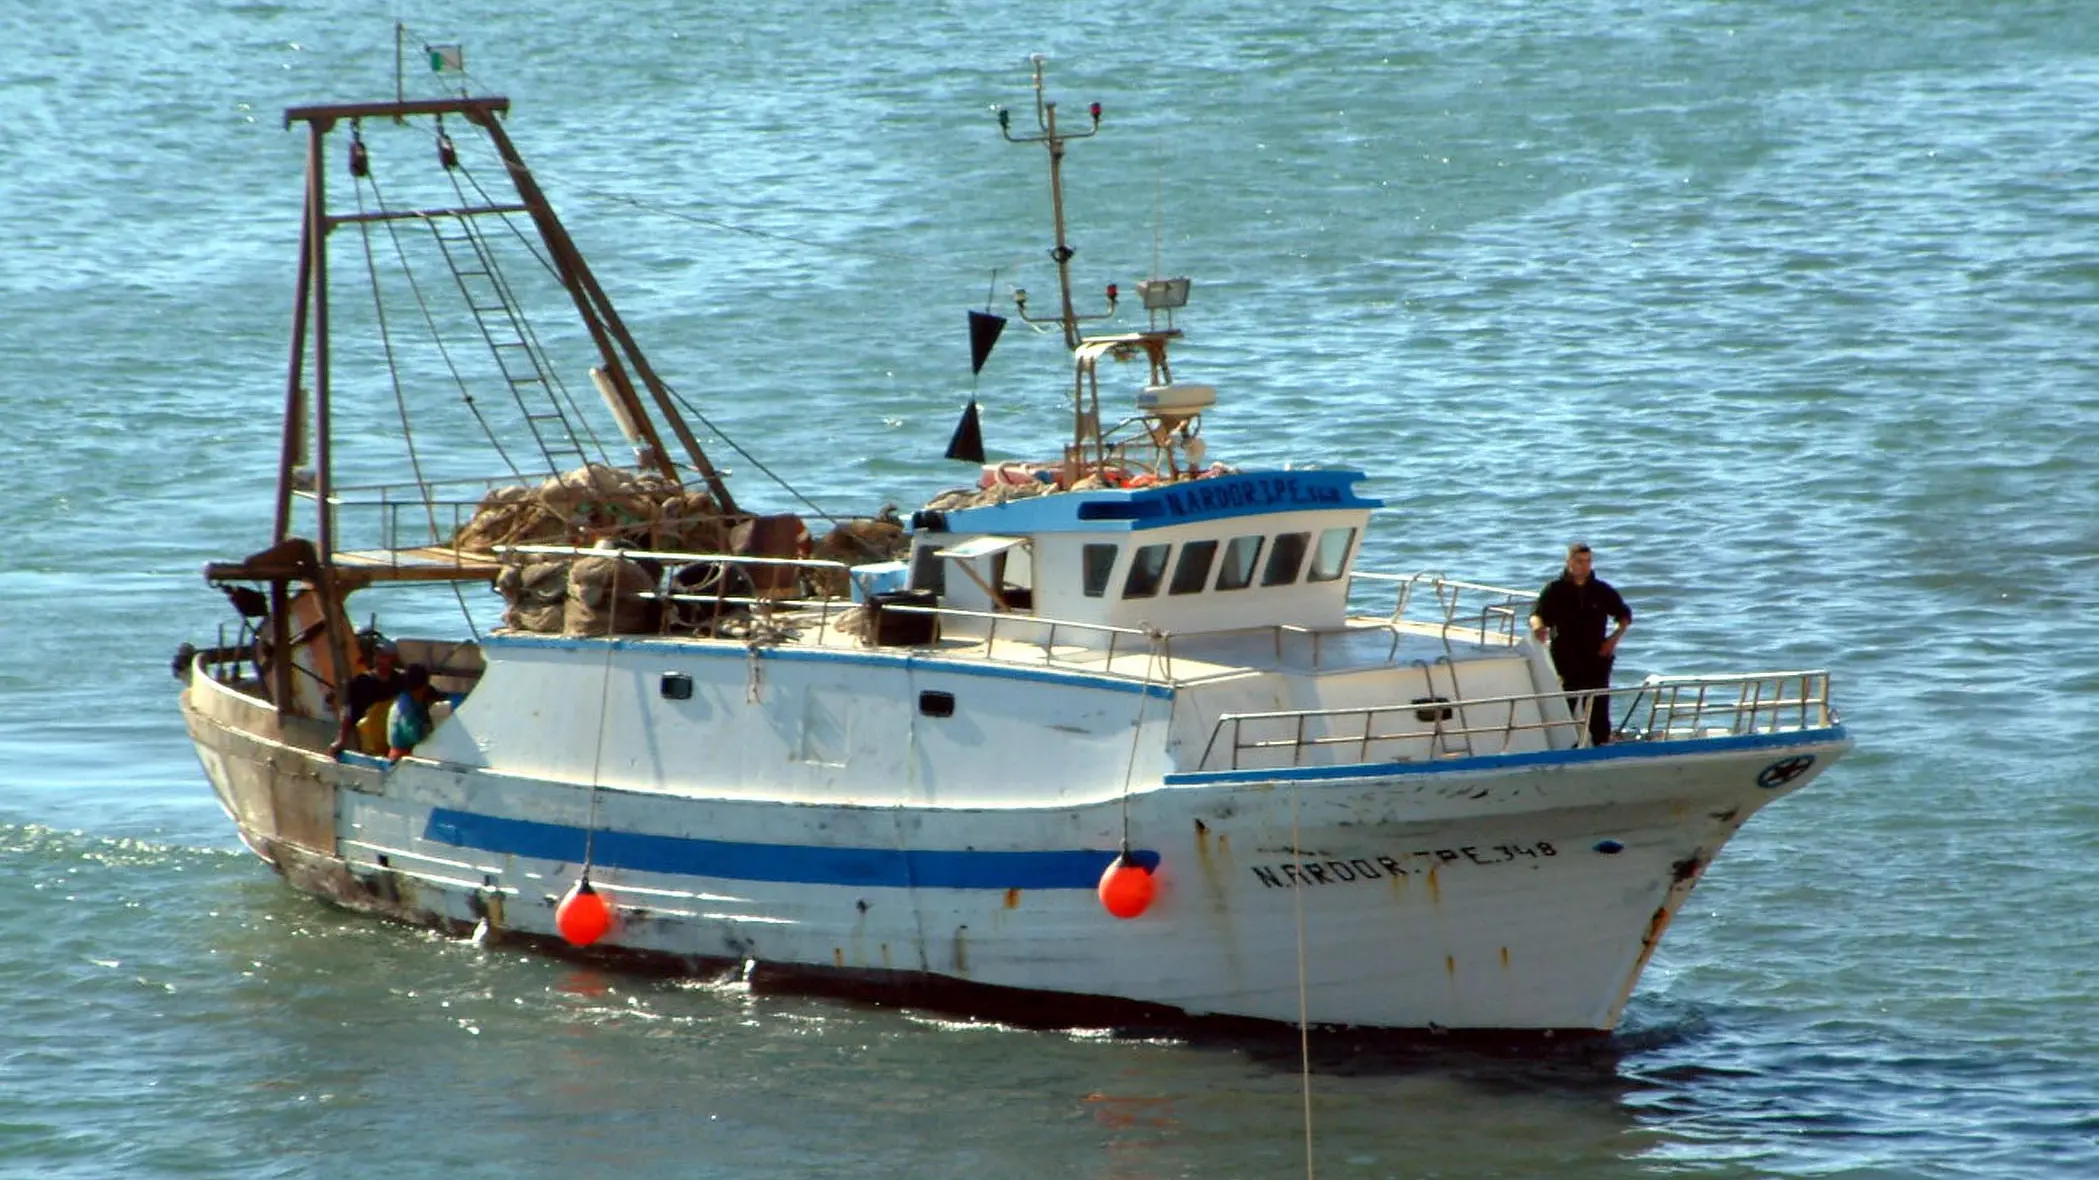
x: 1289, y: 874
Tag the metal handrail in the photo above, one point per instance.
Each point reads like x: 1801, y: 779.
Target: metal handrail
x: 1673, y: 708
x: 826, y: 604
x: 1496, y: 618
x: 674, y: 555
x: 1048, y: 645
x: 1432, y: 719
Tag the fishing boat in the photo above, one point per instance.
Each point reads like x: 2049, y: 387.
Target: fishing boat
x: 1119, y: 735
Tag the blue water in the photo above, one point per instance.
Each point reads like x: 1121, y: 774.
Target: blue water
x: 1790, y: 309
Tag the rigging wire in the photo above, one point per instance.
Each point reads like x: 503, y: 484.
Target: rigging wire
x: 1158, y: 640
x: 1014, y: 265
x: 563, y: 400
x: 1304, y: 1026
x: 400, y: 396
x: 558, y: 389
x: 684, y: 404
x: 597, y: 760
x: 753, y: 460
x: 437, y: 337
x: 386, y: 345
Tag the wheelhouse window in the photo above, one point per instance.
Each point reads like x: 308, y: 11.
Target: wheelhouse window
x: 1240, y: 554
x: 1331, y: 557
x: 1192, y: 572
x: 1097, y: 562
x: 1285, y: 558
x: 1147, y: 570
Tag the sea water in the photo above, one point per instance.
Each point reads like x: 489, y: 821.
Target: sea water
x: 1790, y: 309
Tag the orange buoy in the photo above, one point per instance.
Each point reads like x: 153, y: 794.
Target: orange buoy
x: 1127, y: 888
x: 584, y: 915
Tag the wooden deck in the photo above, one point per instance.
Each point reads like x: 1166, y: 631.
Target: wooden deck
x: 424, y: 563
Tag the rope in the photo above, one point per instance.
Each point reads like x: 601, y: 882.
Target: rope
x: 437, y: 338
x: 466, y: 612
x: 753, y: 460
x: 597, y: 758
x: 464, y: 179
x: 1304, y: 1026
x: 564, y: 401
x: 386, y: 345
x: 533, y: 248
x: 1129, y: 771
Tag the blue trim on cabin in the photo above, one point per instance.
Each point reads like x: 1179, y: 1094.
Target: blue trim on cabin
x: 1616, y: 752
x: 1222, y: 497
x: 796, y: 864
x: 825, y: 655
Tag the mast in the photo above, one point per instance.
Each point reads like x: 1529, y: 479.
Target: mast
x: 615, y: 345
x: 1061, y: 254
x: 1090, y: 449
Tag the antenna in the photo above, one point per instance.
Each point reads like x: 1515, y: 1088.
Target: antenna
x: 1061, y: 253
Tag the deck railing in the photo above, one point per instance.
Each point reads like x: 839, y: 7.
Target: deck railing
x: 1672, y: 708
x: 1119, y: 639
x: 785, y: 611
x: 1677, y: 708
x: 1416, y: 731
x: 1471, y: 612
x: 383, y: 524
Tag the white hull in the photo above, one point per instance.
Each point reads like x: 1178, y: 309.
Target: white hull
x: 1400, y: 820
x: 1509, y: 892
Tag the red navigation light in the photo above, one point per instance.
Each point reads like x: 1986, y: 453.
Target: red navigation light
x: 1095, y: 110
x: 1111, y: 292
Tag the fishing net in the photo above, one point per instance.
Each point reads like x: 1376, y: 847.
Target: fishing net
x: 595, y: 503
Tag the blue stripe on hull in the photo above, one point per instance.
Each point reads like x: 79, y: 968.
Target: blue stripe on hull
x: 800, y: 864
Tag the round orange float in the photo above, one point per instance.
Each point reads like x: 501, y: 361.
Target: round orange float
x: 584, y: 915
x: 1127, y: 888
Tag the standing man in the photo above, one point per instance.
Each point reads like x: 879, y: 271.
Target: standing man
x: 1571, y: 610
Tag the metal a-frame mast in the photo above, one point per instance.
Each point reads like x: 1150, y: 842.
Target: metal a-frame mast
x: 289, y: 560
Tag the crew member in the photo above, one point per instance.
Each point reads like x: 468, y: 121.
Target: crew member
x: 363, y: 724
x: 1572, y: 611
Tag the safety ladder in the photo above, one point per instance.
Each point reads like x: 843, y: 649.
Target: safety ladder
x: 517, y: 354
x: 1437, y: 709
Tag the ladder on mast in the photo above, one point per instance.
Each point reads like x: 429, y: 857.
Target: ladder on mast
x: 517, y: 354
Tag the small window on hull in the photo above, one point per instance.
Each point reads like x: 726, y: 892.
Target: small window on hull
x: 1239, y: 558
x: 1147, y: 570
x: 1285, y: 558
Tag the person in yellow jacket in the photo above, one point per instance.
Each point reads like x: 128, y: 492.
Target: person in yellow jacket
x: 365, y: 701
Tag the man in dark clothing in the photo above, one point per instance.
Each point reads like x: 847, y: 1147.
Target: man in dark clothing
x: 367, y: 690
x: 1571, y: 610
